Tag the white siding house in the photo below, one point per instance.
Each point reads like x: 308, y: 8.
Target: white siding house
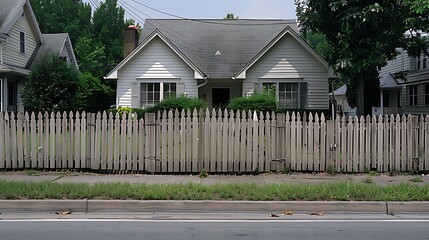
x: 156, y: 63
x: 218, y: 60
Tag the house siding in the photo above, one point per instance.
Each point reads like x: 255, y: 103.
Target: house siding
x: 420, y: 108
x: 11, y: 50
x: 402, y: 62
x: 288, y: 59
x: 156, y: 61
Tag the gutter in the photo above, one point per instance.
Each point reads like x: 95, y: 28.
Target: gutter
x: 203, y: 84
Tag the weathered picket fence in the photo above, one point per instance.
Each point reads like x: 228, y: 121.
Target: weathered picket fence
x: 215, y: 141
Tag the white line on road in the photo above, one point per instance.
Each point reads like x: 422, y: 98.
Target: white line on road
x: 213, y: 221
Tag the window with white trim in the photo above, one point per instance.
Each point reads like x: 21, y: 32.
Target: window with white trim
x: 289, y: 95
x: 153, y: 93
x: 21, y: 42
x: 422, y: 62
x: 413, y: 95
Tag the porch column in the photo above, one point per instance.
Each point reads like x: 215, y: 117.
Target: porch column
x: 2, y: 95
x: 381, y: 102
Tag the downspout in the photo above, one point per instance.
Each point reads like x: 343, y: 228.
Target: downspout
x: 202, y: 85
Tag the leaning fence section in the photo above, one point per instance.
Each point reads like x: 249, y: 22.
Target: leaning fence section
x: 217, y: 141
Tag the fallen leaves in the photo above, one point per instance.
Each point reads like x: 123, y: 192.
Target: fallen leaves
x: 62, y: 213
x: 288, y: 213
x: 317, y: 213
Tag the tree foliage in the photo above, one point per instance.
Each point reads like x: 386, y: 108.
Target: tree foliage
x: 363, y: 35
x: 91, y: 90
x: 97, y: 38
x: 51, y: 86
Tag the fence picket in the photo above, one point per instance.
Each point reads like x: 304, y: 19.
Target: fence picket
x: 261, y: 144
x: 176, y: 141
x: 3, y: 139
x: 13, y: 145
x: 20, y: 132
x: 195, y: 138
x: 310, y: 143
x: 293, y: 143
x: 27, y: 141
x: 223, y: 153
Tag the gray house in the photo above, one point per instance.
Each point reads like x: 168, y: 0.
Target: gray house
x: 218, y: 60
x: 409, y: 96
x: 21, y: 45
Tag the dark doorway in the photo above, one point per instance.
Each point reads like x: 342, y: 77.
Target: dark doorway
x: 220, y: 97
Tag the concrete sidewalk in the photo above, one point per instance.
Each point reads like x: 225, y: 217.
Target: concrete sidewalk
x: 261, y: 179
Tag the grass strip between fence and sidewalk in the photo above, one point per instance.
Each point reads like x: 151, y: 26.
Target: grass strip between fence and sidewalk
x: 339, y: 191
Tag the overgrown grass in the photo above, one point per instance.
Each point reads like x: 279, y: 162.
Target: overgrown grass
x: 340, y: 191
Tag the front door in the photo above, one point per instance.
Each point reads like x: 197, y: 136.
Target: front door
x: 220, y: 97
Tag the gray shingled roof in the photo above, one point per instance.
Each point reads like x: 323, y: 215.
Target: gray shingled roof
x: 238, y: 41
x: 8, y: 10
x: 53, y: 43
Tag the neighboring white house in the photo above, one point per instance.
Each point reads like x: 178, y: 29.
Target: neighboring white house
x: 342, y: 105
x: 21, y: 44
x: 410, y: 96
x: 218, y: 60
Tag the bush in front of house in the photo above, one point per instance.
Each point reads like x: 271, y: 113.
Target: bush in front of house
x: 173, y: 103
x: 258, y: 102
x: 179, y: 103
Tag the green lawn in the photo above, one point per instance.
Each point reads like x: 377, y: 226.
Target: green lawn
x: 340, y: 191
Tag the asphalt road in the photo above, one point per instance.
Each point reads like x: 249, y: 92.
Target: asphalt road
x: 65, y: 229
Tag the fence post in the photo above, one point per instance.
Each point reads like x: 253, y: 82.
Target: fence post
x: 150, y: 140
x: 201, y: 139
x: 90, y: 154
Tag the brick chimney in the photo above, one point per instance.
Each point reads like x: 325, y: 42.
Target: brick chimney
x: 130, y: 39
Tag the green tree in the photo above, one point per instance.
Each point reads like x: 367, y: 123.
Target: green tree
x: 57, y: 16
x: 230, y: 16
x: 363, y: 34
x: 108, y: 29
x: 91, y: 56
x: 51, y: 86
x: 91, y: 92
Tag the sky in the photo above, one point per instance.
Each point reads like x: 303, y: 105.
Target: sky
x: 208, y: 9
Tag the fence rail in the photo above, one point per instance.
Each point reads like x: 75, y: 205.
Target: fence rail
x: 216, y: 141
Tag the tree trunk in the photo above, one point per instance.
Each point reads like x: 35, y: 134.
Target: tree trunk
x: 360, y: 93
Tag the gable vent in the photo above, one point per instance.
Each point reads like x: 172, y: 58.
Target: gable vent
x: 218, y: 53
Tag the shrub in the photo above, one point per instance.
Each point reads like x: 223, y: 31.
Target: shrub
x: 179, y: 103
x: 257, y: 102
x: 51, y: 86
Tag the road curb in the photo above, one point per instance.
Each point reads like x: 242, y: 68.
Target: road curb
x: 407, y: 207
x: 43, y: 205
x: 314, y: 206
x: 93, y: 206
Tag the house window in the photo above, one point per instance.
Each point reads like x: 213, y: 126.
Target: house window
x: 422, y: 62
x: 21, y: 42
x: 269, y: 88
x: 413, y: 95
x: 288, y: 95
x: 153, y: 93
x: 427, y: 94
x: 169, y: 90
